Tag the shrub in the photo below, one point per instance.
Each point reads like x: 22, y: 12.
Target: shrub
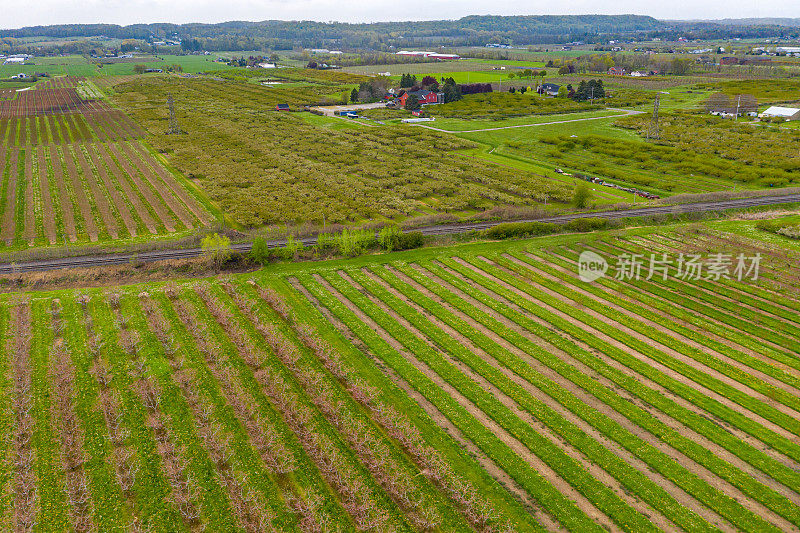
x: 521, y: 229
x: 582, y: 225
x: 409, y: 241
x: 216, y: 249
x: 260, y: 251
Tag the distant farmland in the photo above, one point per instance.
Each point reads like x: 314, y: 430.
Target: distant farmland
x: 73, y: 170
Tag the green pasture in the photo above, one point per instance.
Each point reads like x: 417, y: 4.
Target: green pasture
x: 55, y: 66
x: 460, y: 125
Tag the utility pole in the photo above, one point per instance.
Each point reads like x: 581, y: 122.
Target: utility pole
x: 738, y: 101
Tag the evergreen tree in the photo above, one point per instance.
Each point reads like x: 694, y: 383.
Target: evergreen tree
x: 354, y: 95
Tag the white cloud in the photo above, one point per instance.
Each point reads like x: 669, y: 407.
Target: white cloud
x: 17, y: 13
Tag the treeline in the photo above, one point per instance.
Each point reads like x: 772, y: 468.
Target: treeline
x: 468, y: 31
x: 388, y: 36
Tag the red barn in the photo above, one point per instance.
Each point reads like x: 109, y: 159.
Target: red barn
x: 424, y: 97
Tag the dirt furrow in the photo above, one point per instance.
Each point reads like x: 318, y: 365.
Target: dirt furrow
x: 492, y: 468
x: 666, y: 314
x: 113, y: 192
x: 188, y: 200
x: 678, y: 493
x: 29, y: 230
x: 518, y: 447
x: 662, y: 330
x: 131, y: 195
x: 100, y: 199
x: 641, y: 356
x: 678, y: 400
x: 25, y: 498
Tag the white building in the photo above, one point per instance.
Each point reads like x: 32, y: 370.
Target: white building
x: 788, y: 113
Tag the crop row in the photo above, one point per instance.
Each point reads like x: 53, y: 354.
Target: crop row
x: 722, y: 504
x: 203, y: 406
x: 93, y: 191
x: 66, y: 128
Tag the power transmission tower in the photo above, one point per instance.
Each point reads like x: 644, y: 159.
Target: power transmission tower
x: 652, y: 131
x: 173, y: 121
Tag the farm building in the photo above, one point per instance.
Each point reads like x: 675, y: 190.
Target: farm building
x: 615, y: 71
x: 424, y: 96
x: 788, y: 113
x: 432, y: 55
x: 550, y: 89
x: 282, y: 107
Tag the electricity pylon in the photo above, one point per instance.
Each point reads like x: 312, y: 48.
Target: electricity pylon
x: 652, y: 130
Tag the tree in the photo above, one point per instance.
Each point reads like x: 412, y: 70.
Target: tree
x: 582, y: 195
x: 354, y: 95
x: 431, y: 83
x: 216, y: 249
x: 139, y: 69
x: 512, y: 90
x: 273, y: 58
x: 412, y: 103
x: 452, y: 92
x: 522, y: 89
x: 312, y: 64
x: 562, y: 92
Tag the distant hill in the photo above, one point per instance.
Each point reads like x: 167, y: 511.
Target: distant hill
x: 467, y: 31
x: 389, y: 36
x: 785, y: 22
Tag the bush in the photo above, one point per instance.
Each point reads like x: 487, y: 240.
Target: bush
x: 582, y: 225
x: 521, y: 229
x: 260, y: 251
x: 409, y: 241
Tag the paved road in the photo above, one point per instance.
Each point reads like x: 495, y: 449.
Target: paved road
x: 624, y: 113
x: 159, y: 255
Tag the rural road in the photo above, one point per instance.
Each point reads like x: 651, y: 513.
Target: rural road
x: 159, y: 255
x: 623, y: 113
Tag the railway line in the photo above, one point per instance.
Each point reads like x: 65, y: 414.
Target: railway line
x: 88, y: 261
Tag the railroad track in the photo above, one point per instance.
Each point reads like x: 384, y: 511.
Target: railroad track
x: 184, y: 253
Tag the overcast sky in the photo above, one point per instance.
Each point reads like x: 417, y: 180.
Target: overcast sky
x: 17, y: 13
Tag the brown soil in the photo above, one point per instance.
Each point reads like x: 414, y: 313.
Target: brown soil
x: 641, y: 356
x: 698, y: 329
x: 113, y: 192
x: 29, y: 231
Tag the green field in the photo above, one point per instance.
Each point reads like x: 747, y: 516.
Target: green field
x: 476, y: 387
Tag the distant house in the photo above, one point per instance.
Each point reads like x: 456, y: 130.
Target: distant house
x: 424, y: 97
x: 615, y: 71
x: 788, y: 113
x: 154, y: 70
x: 282, y: 107
x: 550, y: 89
